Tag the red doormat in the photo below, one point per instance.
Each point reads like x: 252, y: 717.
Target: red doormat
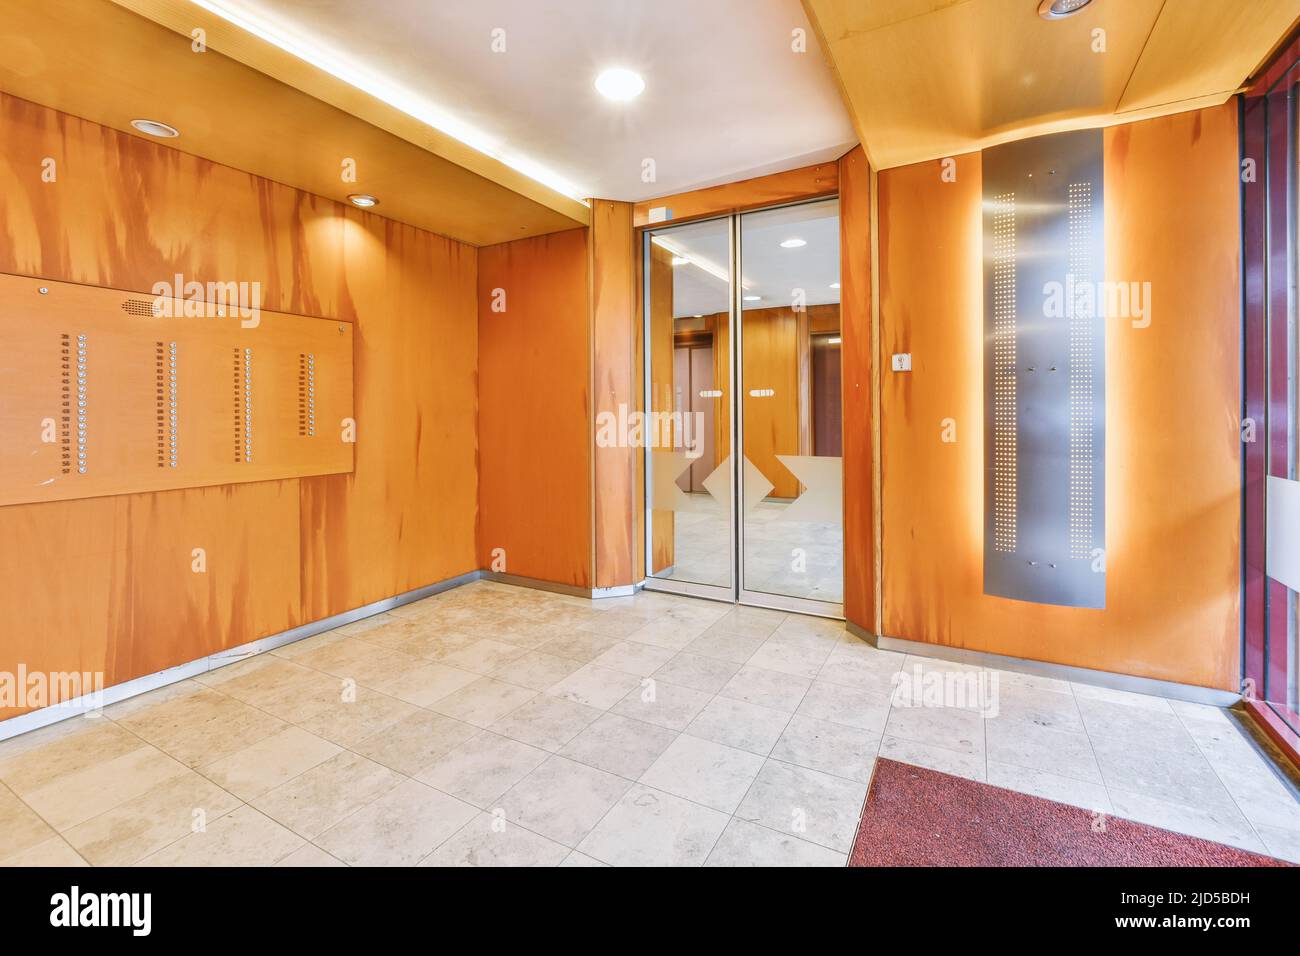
x: 919, y: 817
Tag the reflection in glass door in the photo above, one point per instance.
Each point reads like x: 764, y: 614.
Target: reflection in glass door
x: 791, y: 501
x: 775, y: 380
x: 689, y: 541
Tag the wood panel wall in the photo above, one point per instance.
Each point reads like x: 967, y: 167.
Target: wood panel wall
x: 535, y: 419
x: 611, y: 272
x: 1173, y: 398
x: 105, y: 584
x: 859, y: 390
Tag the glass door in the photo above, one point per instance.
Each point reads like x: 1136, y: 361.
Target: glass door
x: 791, y: 487
x: 774, y: 379
x: 1270, y: 436
x: 690, y: 541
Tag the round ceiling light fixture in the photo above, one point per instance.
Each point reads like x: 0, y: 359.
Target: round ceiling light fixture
x: 1060, y: 9
x: 794, y: 243
x: 155, y: 128
x: 620, y: 84
x: 363, y: 200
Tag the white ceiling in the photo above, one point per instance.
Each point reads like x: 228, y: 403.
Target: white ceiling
x: 768, y: 270
x: 725, y: 98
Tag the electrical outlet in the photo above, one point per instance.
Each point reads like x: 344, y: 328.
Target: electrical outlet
x: 902, y: 362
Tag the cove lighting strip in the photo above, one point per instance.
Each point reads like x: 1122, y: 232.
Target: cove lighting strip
x: 413, y: 105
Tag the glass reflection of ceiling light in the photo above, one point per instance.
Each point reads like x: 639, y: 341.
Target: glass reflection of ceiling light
x: 155, y: 128
x: 680, y: 260
x: 752, y: 298
x: 712, y: 268
x: 833, y: 341
x: 620, y: 84
x: 793, y: 243
x: 401, y: 98
x: 835, y: 285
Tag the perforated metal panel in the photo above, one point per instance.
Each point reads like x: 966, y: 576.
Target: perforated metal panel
x: 1044, y: 370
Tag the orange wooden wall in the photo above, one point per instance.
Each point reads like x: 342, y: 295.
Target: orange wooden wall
x: 1173, y: 398
x: 857, y: 384
x: 535, y: 420
x: 105, y: 584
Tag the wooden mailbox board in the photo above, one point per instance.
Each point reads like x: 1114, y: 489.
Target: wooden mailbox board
x: 105, y: 392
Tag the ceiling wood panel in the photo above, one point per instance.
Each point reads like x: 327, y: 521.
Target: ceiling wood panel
x: 237, y: 116
x: 931, y: 78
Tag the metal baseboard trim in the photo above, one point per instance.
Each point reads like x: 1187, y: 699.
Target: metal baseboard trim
x: 1150, y: 686
x: 572, y: 590
x: 91, y: 705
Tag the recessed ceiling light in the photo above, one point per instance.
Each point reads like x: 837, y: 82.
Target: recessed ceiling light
x: 155, y: 128
x: 1060, y: 9
x: 620, y: 84
x: 752, y: 298
x: 793, y: 243
x: 680, y: 260
x: 362, y: 200
x: 835, y: 285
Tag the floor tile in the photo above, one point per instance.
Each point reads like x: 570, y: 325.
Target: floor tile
x: 947, y: 727
x: 581, y: 859
x: 314, y: 801
x: 791, y: 655
x: 537, y: 670
x: 704, y: 772
x: 619, y: 745
x: 483, y: 702
x: 546, y: 722
x: 53, y: 852
x: 579, y: 646
x: 1222, y: 824
x: 76, y: 797
x: 268, y: 763
x: 491, y: 840
x: 483, y: 768
x: 483, y: 656
x: 748, y: 844
x: 726, y: 645
x: 350, y: 721
x: 738, y: 724
x: 773, y: 689
x: 400, y: 828
x: 427, y: 682
x: 650, y: 828
x: 1049, y: 786
x: 831, y: 748
x: 1036, y: 747
x: 1162, y: 774
x: 415, y: 741
x: 805, y: 804
x: 594, y: 686
x: 242, y: 838
x: 562, y: 799
x: 632, y: 658
x: 661, y: 703
x: 850, y: 706
x: 705, y: 674
x: 147, y: 823
x: 310, y: 855
x: 20, y: 827
x: 955, y: 762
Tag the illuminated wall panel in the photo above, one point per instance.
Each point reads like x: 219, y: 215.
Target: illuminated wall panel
x: 1044, y: 370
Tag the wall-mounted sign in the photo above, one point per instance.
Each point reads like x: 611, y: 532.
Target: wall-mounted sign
x: 1045, y: 370
x: 105, y: 392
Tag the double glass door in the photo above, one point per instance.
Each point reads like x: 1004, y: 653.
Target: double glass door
x: 744, y: 467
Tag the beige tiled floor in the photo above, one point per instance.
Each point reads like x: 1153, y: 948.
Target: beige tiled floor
x: 493, y: 725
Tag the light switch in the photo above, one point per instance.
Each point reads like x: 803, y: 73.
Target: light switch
x: 902, y: 362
